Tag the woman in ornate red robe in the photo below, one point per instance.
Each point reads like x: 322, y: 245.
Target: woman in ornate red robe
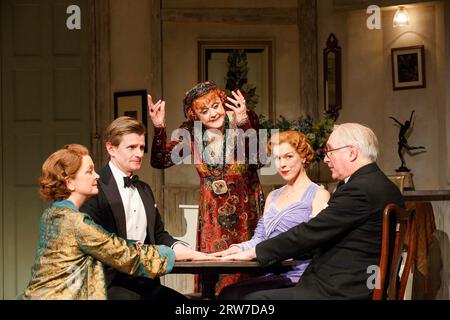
x: 231, y: 197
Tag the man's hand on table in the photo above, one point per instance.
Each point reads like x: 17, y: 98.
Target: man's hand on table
x: 231, y: 250
x: 185, y: 253
x: 244, y: 255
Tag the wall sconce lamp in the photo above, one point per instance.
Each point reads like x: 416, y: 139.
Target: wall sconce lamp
x: 401, y: 17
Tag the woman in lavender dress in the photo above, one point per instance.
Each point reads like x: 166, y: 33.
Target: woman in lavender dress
x: 296, y: 202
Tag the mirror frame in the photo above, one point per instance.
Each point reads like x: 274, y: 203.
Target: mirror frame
x: 208, y: 46
x: 332, y: 47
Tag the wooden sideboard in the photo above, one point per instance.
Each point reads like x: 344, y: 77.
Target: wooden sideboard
x: 439, y: 253
x: 427, y: 195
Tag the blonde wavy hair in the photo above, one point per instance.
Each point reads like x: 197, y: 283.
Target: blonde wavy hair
x: 298, y: 141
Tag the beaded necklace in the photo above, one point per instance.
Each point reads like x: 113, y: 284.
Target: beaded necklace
x: 207, y: 156
x: 217, y: 169
x: 226, y: 213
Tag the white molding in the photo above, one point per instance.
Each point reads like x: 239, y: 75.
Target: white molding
x: 188, y: 206
x: 447, y: 84
x: 2, y: 258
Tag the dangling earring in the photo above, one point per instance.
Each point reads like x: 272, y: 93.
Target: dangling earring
x: 192, y: 115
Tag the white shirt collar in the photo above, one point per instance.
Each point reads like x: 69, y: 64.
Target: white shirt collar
x: 346, y: 179
x: 135, y: 216
x: 117, y: 173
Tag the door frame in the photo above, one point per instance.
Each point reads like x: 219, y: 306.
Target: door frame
x: 2, y: 260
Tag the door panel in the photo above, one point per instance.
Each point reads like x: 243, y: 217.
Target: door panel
x: 45, y: 104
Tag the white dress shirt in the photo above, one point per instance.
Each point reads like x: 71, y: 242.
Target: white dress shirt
x: 136, y: 219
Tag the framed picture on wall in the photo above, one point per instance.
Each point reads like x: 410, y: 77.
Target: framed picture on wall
x: 244, y: 64
x: 408, y: 67
x: 132, y: 104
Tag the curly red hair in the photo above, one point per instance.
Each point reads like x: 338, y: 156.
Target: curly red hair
x: 61, y: 164
x: 204, y: 100
x: 298, y: 141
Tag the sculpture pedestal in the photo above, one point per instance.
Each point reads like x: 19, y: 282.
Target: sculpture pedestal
x: 408, y: 183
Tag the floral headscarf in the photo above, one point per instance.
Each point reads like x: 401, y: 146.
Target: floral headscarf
x: 198, y: 91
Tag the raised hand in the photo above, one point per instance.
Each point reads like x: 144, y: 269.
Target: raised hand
x: 231, y: 250
x: 156, y: 111
x: 238, y: 106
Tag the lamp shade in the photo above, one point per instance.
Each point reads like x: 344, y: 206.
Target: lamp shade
x: 401, y: 17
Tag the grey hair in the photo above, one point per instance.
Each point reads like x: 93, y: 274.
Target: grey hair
x: 360, y: 136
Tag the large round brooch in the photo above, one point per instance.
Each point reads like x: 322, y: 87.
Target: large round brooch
x: 219, y: 187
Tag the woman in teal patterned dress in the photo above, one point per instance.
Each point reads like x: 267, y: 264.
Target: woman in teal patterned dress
x: 73, y: 249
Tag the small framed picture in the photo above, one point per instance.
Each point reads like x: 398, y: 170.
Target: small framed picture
x: 132, y: 104
x: 408, y: 67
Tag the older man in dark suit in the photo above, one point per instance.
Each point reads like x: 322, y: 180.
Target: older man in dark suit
x: 345, y: 238
x: 126, y: 206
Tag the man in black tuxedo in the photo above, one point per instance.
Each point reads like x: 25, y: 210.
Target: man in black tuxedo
x: 344, y: 239
x: 126, y: 206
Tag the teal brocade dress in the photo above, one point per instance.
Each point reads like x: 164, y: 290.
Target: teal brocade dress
x: 72, y: 251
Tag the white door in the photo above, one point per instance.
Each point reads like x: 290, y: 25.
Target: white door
x: 44, y: 105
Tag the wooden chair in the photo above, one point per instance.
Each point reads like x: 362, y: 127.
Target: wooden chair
x: 390, y: 283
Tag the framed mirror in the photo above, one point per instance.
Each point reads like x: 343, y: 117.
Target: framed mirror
x: 332, y: 77
x: 247, y: 65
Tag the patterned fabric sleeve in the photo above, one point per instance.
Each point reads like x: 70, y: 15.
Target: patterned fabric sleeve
x: 252, y: 121
x: 161, y: 157
x: 258, y: 236
x: 146, y: 261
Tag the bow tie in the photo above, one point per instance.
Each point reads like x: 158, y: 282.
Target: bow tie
x: 130, y: 181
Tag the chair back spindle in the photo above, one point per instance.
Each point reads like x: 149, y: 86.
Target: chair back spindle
x: 399, y: 226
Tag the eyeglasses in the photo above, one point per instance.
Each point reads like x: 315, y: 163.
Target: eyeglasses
x: 327, y: 151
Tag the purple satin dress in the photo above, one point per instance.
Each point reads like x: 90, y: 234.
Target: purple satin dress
x: 277, y: 221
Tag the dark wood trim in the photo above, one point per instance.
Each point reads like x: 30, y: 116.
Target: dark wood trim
x: 100, y: 81
x: 283, y: 16
x: 210, y: 271
x: 427, y: 195
x: 308, y: 64
x: 363, y: 4
x: 2, y: 254
x: 333, y: 48
x: 446, y: 165
x: 203, y: 267
x: 156, y: 55
x: 157, y: 92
